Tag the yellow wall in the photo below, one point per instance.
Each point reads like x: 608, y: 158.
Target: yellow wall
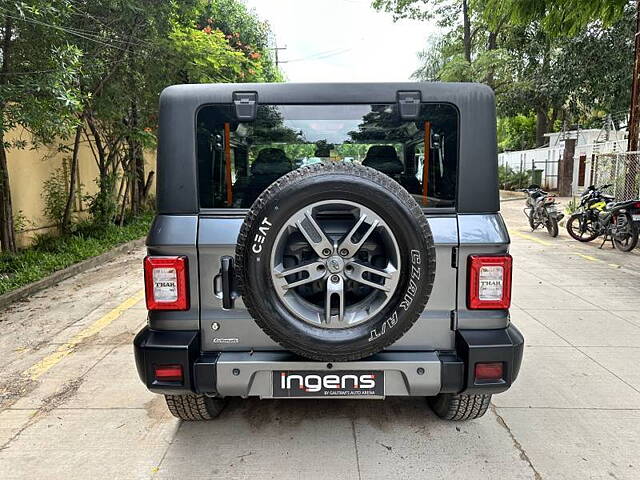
x: 30, y: 168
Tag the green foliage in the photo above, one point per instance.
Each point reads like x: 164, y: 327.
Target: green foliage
x: 510, y: 179
x: 51, y: 253
x: 54, y: 194
x: 102, y: 65
x: 566, y: 60
x: 572, y: 206
x: 560, y: 17
x: 103, y: 205
x: 20, y: 221
x: 442, y: 10
x: 207, y: 57
x: 39, y: 89
x: 516, y: 133
x: 244, y: 31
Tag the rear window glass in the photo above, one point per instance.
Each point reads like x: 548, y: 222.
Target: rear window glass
x: 238, y: 160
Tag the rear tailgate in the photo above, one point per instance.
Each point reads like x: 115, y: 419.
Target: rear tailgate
x: 235, y: 330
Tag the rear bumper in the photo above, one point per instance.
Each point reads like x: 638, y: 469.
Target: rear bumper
x: 246, y: 374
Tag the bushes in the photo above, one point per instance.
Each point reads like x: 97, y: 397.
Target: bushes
x: 510, y: 179
x: 54, y: 193
x: 50, y: 253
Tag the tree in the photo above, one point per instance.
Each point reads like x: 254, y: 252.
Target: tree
x: 37, y: 86
x: 561, y: 17
x: 137, y: 48
x: 566, y: 18
x: 443, y: 11
x: 535, y: 72
x: 90, y: 72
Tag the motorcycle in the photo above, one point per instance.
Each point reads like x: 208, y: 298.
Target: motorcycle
x: 598, y: 214
x: 542, y: 210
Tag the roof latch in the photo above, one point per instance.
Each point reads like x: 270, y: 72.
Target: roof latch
x: 409, y: 105
x: 246, y: 105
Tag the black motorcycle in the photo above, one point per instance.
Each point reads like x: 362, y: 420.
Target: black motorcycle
x: 598, y: 214
x: 542, y: 210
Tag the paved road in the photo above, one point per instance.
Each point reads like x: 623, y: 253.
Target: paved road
x: 71, y: 405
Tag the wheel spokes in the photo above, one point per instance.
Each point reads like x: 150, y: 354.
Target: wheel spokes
x: 314, y: 270
x: 347, y: 242
x: 334, y: 299
x: 356, y: 271
x: 314, y: 235
x: 328, y: 286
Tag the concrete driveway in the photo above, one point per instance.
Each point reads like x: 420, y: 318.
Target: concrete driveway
x: 71, y: 405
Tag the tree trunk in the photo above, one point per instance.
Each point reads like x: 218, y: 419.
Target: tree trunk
x: 466, y: 26
x: 140, y: 178
x: 136, y: 163
x: 554, y: 118
x: 68, y: 208
x: 542, y: 124
x: 492, y: 44
x: 7, y: 228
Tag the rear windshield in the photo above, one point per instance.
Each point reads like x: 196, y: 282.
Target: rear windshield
x: 238, y: 160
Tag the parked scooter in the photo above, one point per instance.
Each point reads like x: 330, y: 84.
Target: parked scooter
x: 542, y: 210
x: 599, y: 215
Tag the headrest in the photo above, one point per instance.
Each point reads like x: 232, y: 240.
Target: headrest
x: 271, y: 161
x: 383, y: 158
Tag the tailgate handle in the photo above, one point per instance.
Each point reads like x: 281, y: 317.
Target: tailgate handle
x: 223, y: 283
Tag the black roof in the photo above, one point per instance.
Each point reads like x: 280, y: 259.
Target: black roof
x: 477, y: 170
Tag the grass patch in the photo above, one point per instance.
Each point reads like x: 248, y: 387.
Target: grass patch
x: 50, y: 253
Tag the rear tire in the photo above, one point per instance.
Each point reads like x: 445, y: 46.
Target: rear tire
x: 632, y: 241
x: 552, y: 226
x: 194, y: 407
x: 450, y: 406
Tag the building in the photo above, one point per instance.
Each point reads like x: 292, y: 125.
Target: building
x: 544, y: 162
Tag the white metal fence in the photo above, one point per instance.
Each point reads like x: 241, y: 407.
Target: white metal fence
x: 621, y: 170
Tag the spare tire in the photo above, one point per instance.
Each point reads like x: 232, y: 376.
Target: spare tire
x: 335, y: 261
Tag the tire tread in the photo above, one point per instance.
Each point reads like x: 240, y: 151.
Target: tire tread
x: 194, y: 407
x: 458, y: 407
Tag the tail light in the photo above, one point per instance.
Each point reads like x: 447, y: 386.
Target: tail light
x: 489, y: 372
x: 165, y: 280
x: 636, y: 205
x: 168, y: 373
x: 489, y: 284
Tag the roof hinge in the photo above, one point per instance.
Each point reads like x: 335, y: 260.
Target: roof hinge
x: 246, y: 105
x: 409, y: 104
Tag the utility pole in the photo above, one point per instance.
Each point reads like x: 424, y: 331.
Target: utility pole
x: 276, y: 49
x: 631, y: 174
x: 634, y: 114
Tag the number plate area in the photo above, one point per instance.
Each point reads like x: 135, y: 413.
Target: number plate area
x: 327, y: 383
x: 636, y: 217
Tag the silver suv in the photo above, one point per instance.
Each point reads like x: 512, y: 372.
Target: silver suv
x: 328, y: 241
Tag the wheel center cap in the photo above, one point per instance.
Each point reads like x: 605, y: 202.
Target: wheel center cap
x: 335, y: 264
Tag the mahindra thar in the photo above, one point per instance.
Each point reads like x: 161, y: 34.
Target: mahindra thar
x: 328, y: 241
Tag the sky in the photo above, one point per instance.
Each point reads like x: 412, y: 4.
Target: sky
x: 342, y: 40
